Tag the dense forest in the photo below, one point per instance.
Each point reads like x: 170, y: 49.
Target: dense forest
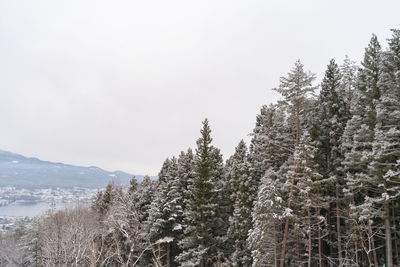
x: 318, y: 185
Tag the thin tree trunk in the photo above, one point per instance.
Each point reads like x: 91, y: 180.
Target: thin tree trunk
x: 339, y: 237
x: 356, y: 248
x: 168, y: 254
x: 365, y: 248
x: 285, y: 235
x: 202, y: 261
x: 275, y: 247
x: 396, y: 248
x: 388, y: 237
x: 351, y: 202
x: 372, y: 243
x: 159, y: 255
x: 319, y: 241
x: 298, y: 248
x: 331, y: 233
x: 309, y: 237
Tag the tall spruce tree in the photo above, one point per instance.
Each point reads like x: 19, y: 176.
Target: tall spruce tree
x: 357, y: 145
x: 166, y: 213
x: 330, y: 124
x: 243, y: 189
x: 203, y: 223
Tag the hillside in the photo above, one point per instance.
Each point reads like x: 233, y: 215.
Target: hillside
x: 20, y: 171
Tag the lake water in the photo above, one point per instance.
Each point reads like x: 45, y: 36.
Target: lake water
x: 30, y: 210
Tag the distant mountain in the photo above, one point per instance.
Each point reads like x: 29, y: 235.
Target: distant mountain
x: 17, y: 170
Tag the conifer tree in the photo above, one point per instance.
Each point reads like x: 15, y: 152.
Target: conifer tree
x: 243, y: 190
x: 202, y: 222
x: 185, y: 174
x: 348, y: 71
x: 330, y: 124
x: 104, y: 200
x: 296, y: 88
x: 309, y: 198
x: 272, y: 140
x: 166, y: 213
x: 357, y: 146
x: 386, y: 147
x: 144, y: 196
x: 271, y: 147
x: 267, y: 216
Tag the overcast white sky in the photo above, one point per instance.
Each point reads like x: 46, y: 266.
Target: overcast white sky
x: 125, y: 84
